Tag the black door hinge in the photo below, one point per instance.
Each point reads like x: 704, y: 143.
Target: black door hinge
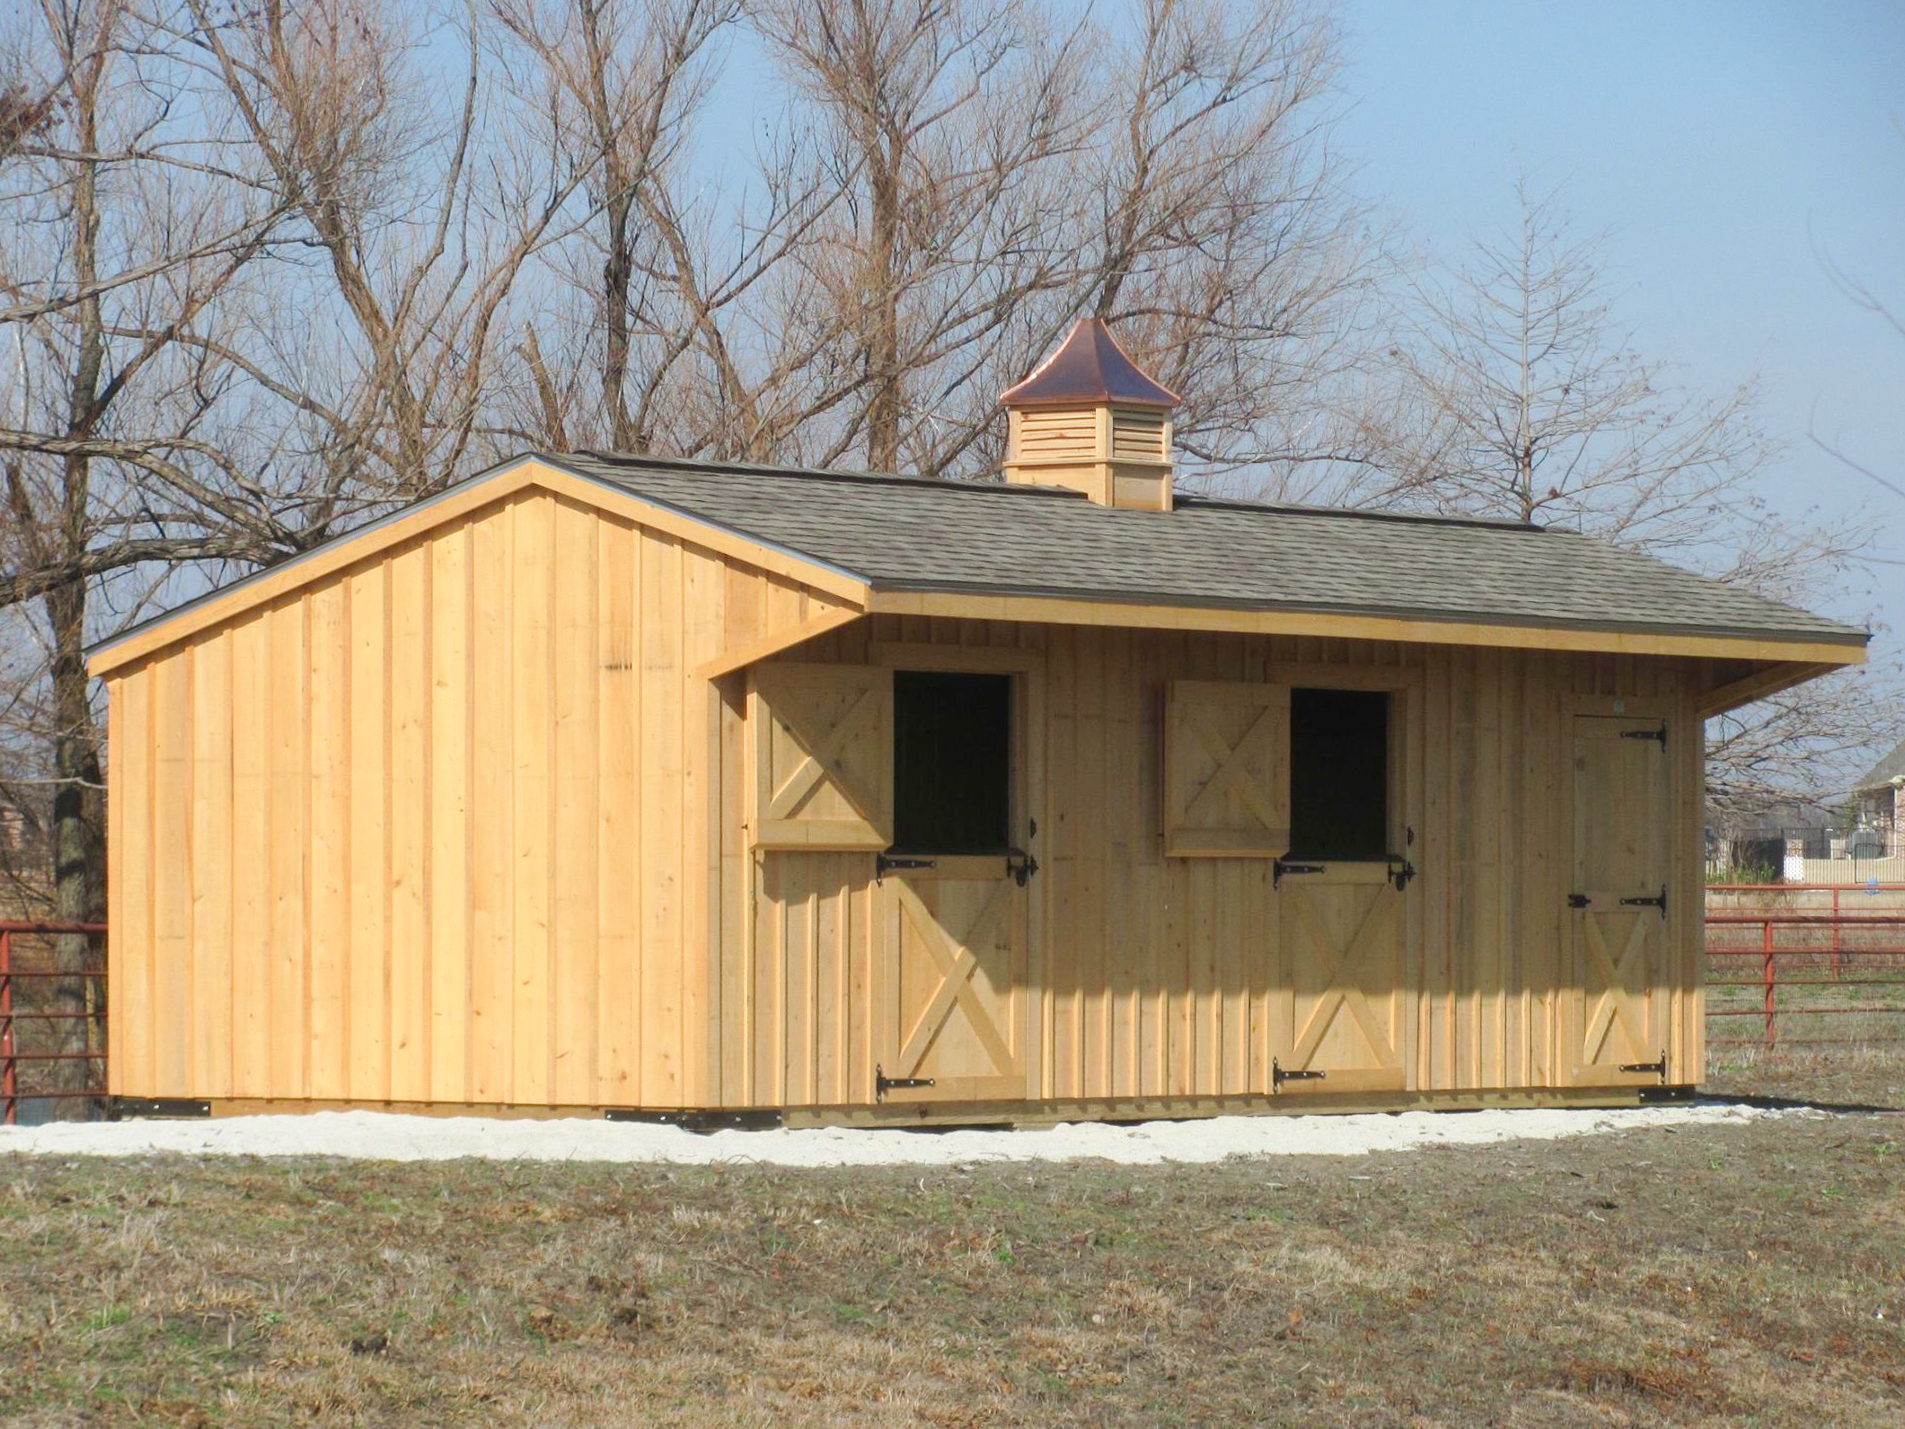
x: 882, y: 862
x: 1281, y: 867
x: 882, y: 1084
x: 1658, y: 735
x: 1021, y: 865
x: 1659, y: 902
x: 1659, y: 1068
x: 1578, y: 900
x: 1278, y: 1076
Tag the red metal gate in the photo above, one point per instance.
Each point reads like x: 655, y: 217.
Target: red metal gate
x: 1839, y: 949
x: 33, y: 1032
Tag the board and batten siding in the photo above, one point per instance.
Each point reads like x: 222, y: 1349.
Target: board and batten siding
x: 465, y: 823
x: 444, y: 826
x: 1170, y: 978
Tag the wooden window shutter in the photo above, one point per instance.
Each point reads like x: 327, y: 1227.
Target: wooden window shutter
x: 821, y: 742
x: 1226, y: 770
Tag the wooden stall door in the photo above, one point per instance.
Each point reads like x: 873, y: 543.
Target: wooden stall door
x: 1343, y: 930
x: 820, y: 807
x: 1614, y: 1010
x: 951, y: 998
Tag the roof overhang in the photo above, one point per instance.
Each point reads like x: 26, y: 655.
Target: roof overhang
x: 1817, y: 654
x: 857, y: 594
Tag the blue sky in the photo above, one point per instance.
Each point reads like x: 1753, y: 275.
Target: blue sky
x: 1721, y: 145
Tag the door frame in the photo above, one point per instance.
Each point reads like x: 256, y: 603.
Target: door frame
x: 1028, y: 811
x: 1568, y: 1023
x: 1406, y: 819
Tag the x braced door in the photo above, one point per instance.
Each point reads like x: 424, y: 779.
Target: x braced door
x: 1343, y: 940
x: 953, y: 1001
x: 1615, y: 1008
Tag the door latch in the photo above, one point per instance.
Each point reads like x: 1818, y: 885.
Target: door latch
x: 1578, y: 900
x: 1278, y: 1075
x: 1021, y: 865
x: 1400, y: 872
x: 882, y: 1084
x: 1659, y: 902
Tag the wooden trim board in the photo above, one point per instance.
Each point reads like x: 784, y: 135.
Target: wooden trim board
x: 1053, y: 610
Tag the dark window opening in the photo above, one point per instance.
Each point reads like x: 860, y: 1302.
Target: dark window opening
x: 1339, y: 774
x: 952, y: 762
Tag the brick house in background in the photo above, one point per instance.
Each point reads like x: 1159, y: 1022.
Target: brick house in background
x: 1876, y: 801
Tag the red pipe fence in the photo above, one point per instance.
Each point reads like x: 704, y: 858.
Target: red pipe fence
x: 1851, y: 960
x: 37, y: 1035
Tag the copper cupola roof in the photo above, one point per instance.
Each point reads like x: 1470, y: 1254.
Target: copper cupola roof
x: 1089, y: 366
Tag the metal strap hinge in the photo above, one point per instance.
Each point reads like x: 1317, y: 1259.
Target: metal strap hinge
x: 1283, y: 866
x: 1278, y: 1076
x: 882, y: 1084
x: 882, y: 862
x: 1659, y: 735
x: 1659, y: 901
x: 1659, y: 1068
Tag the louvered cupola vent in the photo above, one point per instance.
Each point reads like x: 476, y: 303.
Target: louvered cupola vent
x: 1089, y: 419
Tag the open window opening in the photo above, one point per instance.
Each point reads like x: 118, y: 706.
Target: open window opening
x: 952, y: 763
x: 1339, y: 775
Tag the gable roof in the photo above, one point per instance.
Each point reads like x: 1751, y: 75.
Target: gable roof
x: 1089, y: 366
x: 907, y: 533
x: 1891, y: 767
x: 917, y: 545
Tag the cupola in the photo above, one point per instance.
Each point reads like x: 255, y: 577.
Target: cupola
x: 1090, y: 419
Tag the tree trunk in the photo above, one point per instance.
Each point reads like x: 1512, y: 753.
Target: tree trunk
x: 79, y: 876
x: 883, y: 338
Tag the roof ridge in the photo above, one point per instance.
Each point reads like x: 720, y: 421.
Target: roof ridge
x: 649, y: 461
x: 1366, y: 513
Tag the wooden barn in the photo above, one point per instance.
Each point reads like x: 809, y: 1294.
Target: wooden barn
x: 605, y: 783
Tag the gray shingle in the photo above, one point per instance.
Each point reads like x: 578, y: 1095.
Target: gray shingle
x: 1891, y: 767
x: 902, y: 533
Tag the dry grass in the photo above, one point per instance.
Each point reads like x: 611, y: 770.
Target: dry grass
x: 1698, y: 1276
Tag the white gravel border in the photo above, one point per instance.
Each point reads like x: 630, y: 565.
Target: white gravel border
x: 385, y: 1136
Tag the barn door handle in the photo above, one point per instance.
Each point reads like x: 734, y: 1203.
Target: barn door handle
x: 1021, y: 865
x: 1578, y: 900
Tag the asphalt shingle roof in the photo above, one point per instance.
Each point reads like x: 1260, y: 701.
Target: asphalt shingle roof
x: 1891, y: 767
x: 905, y: 533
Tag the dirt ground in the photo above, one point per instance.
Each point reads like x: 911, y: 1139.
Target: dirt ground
x: 1745, y: 1273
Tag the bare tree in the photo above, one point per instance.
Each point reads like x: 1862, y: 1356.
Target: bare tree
x: 1869, y: 299
x: 1218, y: 231
x: 1522, y: 396
x: 951, y: 184
x: 421, y: 216
x: 123, y: 232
